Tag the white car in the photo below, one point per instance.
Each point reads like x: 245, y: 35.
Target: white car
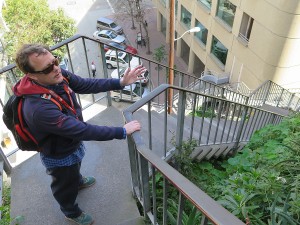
x: 123, y: 60
x: 107, y: 36
x: 144, y: 76
x: 130, y: 93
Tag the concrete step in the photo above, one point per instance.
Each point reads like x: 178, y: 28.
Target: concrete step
x: 109, y: 201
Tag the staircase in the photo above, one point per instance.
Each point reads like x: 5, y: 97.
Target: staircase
x: 109, y: 201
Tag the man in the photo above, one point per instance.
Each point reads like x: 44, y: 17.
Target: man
x: 61, y: 132
x: 93, y: 68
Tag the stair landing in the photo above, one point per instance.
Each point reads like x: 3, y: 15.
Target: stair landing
x: 109, y: 201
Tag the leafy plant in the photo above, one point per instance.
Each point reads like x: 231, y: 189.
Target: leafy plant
x: 207, y: 112
x: 238, y: 203
x: 159, y: 54
x: 34, y: 22
x: 190, y: 218
x: 183, y: 159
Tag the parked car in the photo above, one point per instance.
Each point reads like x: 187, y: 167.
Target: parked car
x: 144, y: 75
x: 123, y: 47
x: 123, y: 60
x: 130, y: 93
x: 108, y: 24
x: 107, y: 36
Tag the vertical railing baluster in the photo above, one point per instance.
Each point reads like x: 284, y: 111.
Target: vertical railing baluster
x: 202, y: 118
x: 181, y: 202
x: 144, y: 179
x: 193, y: 116
x: 154, y: 194
x: 227, y: 109
x: 165, y: 122
x: 231, y: 121
x: 204, y: 220
x: 180, y: 118
x: 133, y: 165
x: 149, y: 125
x: 165, y: 201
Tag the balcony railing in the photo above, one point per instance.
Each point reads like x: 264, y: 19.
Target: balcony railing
x: 272, y: 94
x: 220, y: 133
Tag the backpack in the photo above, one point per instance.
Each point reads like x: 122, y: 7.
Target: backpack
x: 13, y: 119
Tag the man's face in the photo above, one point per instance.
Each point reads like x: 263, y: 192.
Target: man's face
x: 48, y: 70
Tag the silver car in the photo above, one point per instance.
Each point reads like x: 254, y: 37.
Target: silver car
x: 107, y: 36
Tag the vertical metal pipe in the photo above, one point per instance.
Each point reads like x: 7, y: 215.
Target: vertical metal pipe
x: 144, y: 179
x: 149, y: 125
x: 165, y: 201
x: 180, y: 118
x: 181, y: 202
x: 154, y: 208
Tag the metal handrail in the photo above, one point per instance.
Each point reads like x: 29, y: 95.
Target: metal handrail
x: 240, y: 126
x: 274, y: 95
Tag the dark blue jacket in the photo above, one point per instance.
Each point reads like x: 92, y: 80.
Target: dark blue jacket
x: 59, y: 132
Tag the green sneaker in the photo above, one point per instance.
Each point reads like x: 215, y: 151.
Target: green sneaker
x: 87, y: 182
x: 83, y: 219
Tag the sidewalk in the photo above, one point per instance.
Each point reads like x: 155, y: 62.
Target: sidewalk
x: 156, y: 38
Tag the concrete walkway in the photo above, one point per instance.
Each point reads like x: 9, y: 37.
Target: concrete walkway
x: 109, y: 201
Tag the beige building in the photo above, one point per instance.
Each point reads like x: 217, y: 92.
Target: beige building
x: 248, y: 41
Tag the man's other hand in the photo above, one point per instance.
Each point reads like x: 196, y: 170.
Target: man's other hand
x: 132, y: 127
x: 132, y: 75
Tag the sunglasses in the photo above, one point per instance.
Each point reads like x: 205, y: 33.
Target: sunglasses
x: 49, y: 69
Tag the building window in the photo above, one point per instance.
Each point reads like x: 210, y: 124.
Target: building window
x: 206, y: 3
x: 219, y: 50
x: 226, y: 11
x: 176, y: 8
x: 202, y: 34
x: 186, y: 17
x: 246, y: 27
x: 163, y: 25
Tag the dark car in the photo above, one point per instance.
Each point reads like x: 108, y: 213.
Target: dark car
x: 123, y: 47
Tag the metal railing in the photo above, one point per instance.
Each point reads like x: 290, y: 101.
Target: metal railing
x: 219, y: 128
x: 82, y: 50
x: 272, y: 94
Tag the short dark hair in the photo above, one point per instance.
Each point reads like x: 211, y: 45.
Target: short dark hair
x: 22, y: 55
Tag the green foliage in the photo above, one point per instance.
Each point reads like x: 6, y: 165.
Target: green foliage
x: 159, y: 54
x: 260, y: 185
x: 207, y: 113
x: 31, y: 21
x: 183, y: 159
x: 5, y: 208
x: 187, y: 219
